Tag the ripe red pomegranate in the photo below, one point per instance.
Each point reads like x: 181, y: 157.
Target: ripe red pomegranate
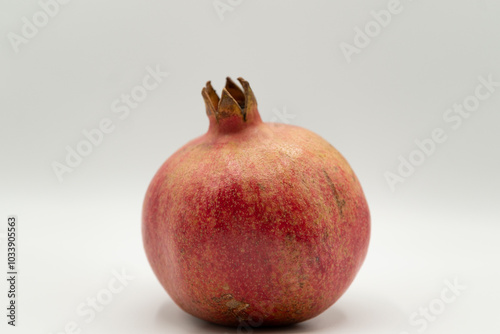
x: 254, y: 223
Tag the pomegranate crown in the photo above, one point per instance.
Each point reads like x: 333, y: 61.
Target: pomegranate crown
x: 234, y: 110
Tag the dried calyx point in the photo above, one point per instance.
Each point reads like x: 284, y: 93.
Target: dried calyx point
x: 233, y: 101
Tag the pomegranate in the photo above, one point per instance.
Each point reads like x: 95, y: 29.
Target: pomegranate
x: 254, y: 223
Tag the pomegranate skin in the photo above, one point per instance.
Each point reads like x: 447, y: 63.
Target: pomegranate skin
x: 254, y: 224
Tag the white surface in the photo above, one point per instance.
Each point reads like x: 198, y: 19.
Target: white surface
x: 68, y: 256
x: 441, y: 224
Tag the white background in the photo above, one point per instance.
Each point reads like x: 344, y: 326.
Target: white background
x: 440, y: 224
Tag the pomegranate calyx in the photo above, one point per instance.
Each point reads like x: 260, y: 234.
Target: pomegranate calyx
x: 228, y: 107
x: 211, y: 99
x: 235, y: 109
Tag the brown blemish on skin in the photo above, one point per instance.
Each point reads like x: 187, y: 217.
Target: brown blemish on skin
x: 340, y: 201
x: 236, y: 307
